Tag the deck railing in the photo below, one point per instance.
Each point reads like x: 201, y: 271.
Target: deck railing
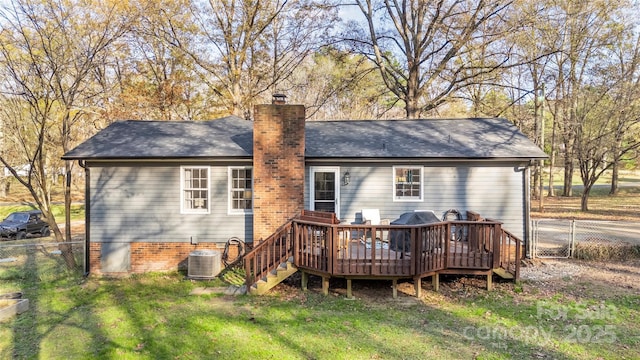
x: 269, y: 254
x: 510, y: 254
x: 386, y: 251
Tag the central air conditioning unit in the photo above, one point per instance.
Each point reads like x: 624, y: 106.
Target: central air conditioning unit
x: 203, y: 264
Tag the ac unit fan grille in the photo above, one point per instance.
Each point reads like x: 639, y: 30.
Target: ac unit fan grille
x: 203, y: 265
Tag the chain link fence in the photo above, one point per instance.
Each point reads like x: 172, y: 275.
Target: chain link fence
x: 44, y: 259
x: 585, y: 239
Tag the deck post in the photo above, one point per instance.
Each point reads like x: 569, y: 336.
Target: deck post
x: 435, y: 280
x: 349, y: 292
x: 497, y: 245
x: 325, y: 285
x: 417, y: 285
x: 489, y: 280
x: 394, y: 285
x: 305, y: 281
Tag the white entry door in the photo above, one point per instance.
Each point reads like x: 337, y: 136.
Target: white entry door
x: 325, y: 189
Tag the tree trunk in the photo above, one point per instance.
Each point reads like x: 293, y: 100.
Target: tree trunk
x: 568, y: 176
x: 552, y: 157
x: 411, y: 107
x: 614, y: 177
x: 67, y: 202
x: 66, y: 249
x: 615, y: 168
x: 552, y: 163
x: 584, y: 199
x: 4, y: 188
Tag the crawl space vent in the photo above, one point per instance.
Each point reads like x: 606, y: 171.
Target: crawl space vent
x: 203, y: 264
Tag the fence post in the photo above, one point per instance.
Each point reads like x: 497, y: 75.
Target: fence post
x: 532, y: 239
x: 572, y: 238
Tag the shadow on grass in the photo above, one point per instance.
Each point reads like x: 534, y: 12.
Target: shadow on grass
x: 152, y: 316
x: 49, y: 286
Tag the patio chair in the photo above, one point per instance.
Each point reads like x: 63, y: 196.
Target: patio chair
x: 372, y: 217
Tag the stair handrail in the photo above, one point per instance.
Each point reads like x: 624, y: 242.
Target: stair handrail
x: 268, y: 254
x: 506, y: 263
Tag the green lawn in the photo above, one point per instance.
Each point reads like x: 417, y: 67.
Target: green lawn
x: 154, y: 316
x: 77, y: 211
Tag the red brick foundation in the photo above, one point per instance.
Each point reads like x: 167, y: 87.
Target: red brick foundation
x: 157, y: 256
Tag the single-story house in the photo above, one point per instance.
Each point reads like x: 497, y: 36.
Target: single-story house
x: 158, y: 190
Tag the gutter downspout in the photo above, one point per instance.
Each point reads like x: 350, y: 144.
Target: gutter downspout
x: 87, y: 217
x: 526, y: 175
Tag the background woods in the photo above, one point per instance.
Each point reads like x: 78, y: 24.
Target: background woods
x: 565, y: 71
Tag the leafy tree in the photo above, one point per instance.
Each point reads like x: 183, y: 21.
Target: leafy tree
x: 156, y: 80
x: 606, y: 134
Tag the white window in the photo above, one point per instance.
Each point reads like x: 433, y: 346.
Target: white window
x: 240, y: 190
x: 407, y: 183
x: 194, y: 182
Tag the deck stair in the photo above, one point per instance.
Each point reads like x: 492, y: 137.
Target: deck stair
x: 273, y: 278
x: 503, y: 273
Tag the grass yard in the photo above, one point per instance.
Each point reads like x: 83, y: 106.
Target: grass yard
x: 625, y: 205
x: 591, y: 314
x: 153, y: 316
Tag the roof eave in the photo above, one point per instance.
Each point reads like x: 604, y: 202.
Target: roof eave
x: 423, y: 160
x: 158, y: 159
x: 309, y: 159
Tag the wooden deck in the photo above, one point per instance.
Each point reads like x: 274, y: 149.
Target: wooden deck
x: 317, y: 244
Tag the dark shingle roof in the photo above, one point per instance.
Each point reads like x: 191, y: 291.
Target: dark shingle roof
x: 433, y: 138
x: 232, y: 137
x: 227, y: 137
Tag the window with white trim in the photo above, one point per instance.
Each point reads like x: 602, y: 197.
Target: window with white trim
x: 195, y: 189
x: 240, y: 190
x: 407, y: 183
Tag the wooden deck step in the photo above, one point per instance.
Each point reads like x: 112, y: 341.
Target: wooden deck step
x: 283, y: 271
x: 503, y: 273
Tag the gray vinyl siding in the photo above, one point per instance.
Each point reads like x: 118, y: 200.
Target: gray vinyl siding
x: 494, y: 191
x: 141, y: 203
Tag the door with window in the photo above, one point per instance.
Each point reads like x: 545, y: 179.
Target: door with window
x: 325, y: 189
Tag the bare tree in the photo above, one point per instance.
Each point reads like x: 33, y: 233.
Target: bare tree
x: 156, y: 80
x: 427, y: 50
x: 625, y: 102
x: 534, y: 44
x: 337, y: 84
x: 248, y: 47
x: 603, y: 111
x: 586, y: 28
x: 47, y: 52
x: 608, y: 132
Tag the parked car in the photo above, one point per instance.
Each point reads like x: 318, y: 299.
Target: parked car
x: 20, y: 224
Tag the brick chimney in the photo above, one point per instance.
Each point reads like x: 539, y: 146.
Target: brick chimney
x: 278, y: 165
